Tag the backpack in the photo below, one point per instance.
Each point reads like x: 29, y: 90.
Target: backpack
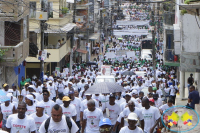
x: 68, y: 121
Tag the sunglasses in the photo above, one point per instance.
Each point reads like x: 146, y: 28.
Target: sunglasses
x: 45, y: 94
x: 104, y: 129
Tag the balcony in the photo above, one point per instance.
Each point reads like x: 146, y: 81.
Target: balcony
x: 170, y: 58
x: 81, y: 5
x: 56, y: 54
x: 15, y: 54
x: 189, y: 4
x: 12, y: 10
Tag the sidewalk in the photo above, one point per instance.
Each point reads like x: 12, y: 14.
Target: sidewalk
x: 181, y: 126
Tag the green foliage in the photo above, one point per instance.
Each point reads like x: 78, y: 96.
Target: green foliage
x: 183, y: 12
x: 187, y: 2
x: 65, y: 10
x: 2, y: 53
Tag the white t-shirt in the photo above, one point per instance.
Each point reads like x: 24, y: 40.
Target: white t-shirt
x: 30, y: 109
x: 58, y: 127
x: 150, y: 116
x: 39, y: 120
x: 93, y: 119
x: 69, y: 111
x: 52, y: 90
x: 6, y: 111
x: 48, y: 107
x: 77, y: 103
x: 120, y: 101
x: 114, y: 111
x: 17, y: 125
x: 127, y: 111
x: 158, y: 102
x: 58, y: 101
x: 127, y: 130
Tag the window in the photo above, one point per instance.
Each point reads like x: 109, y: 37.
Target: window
x: 50, y: 9
x: 32, y: 10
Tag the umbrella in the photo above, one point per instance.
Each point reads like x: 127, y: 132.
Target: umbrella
x: 3, y: 96
x: 104, y: 87
x: 128, y: 73
x: 120, y: 38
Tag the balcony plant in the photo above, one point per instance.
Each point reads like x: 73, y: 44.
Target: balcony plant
x: 2, y: 53
x: 65, y: 10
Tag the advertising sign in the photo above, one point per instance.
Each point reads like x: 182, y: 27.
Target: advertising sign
x: 42, y: 55
x: 105, y: 70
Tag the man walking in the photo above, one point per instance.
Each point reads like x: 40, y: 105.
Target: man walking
x: 20, y: 123
x: 58, y: 122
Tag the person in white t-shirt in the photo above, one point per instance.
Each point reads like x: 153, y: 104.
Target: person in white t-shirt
x: 58, y: 122
x: 7, y: 108
x: 48, y: 103
x: 151, y: 116
x: 53, y: 90
x: 30, y: 104
x: 20, y: 122
x: 68, y: 109
x: 114, y: 110
x: 91, y: 118
x: 39, y: 115
x: 131, y: 108
x: 132, y: 125
x: 77, y: 103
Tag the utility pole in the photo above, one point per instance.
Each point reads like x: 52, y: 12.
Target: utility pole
x: 101, y: 23
x: 72, y: 39
x: 153, y: 43
x: 111, y: 30
x: 42, y: 28
x: 88, y: 54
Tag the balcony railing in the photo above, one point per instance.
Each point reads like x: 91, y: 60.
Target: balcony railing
x: 12, y: 10
x: 15, y: 54
x: 170, y: 56
x: 169, y: 18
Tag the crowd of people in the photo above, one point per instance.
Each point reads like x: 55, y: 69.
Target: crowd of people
x: 61, y: 104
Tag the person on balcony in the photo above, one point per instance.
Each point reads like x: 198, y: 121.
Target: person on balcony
x: 58, y: 44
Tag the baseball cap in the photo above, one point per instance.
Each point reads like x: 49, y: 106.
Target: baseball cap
x: 70, y: 83
x: 154, y: 88
x: 5, y: 85
x: 30, y: 97
x: 71, y: 92
x: 66, y: 98
x: 50, y: 81
x: 9, y: 95
x: 134, y: 92
x: 88, y: 94
x: 128, y: 94
x: 10, y: 90
x: 105, y: 121
x: 40, y: 104
x: 151, y: 100
x: 132, y: 116
x: 26, y: 84
x: 111, y: 96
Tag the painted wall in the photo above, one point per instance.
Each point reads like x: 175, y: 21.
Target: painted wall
x: 190, y: 33
x: 20, y: 72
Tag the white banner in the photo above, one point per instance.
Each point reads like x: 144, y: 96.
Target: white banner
x: 130, y: 54
x: 110, y: 55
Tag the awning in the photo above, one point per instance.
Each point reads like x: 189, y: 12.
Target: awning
x: 64, y: 29
x: 82, y: 51
x: 68, y: 27
x: 70, y: 1
x: 94, y: 36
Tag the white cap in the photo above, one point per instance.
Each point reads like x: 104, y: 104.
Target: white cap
x: 128, y: 94
x: 40, y: 104
x: 50, y: 81
x: 10, y: 90
x: 88, y: 94
x: 133, y: 116
x: 134, y: 92
x: 30, y: 97
x: 9, y: 95
x: 70, y: 83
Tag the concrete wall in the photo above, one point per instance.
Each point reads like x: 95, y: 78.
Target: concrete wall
x: 190, y: 33
x: 2, y: 33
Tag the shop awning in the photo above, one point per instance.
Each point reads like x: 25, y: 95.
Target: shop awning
x: 82, y: 51
x: 49, y: 31
x: 68, y: 27
x: 70, y: 1
x: 94, y: 36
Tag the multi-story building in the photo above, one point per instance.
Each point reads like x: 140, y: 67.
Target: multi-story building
x: 14, y: 40
x: 60, y: 14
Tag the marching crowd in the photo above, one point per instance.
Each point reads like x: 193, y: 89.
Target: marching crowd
x: 61, y: 104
